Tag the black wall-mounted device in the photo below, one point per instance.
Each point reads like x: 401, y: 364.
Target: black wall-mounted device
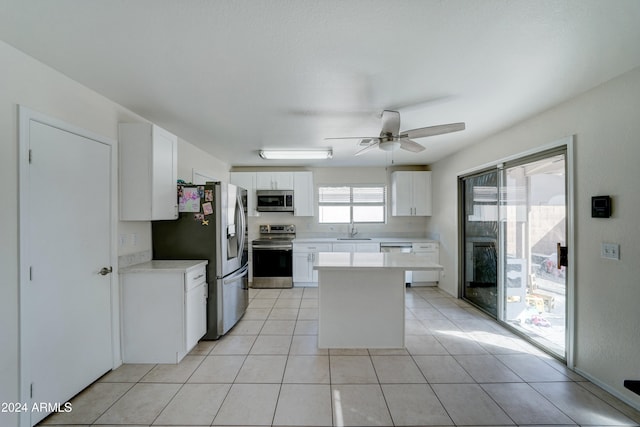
x: 600, y: 207
x: 634, y: 386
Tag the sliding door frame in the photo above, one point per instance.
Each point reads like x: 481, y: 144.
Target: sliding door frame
x: 499, y: 165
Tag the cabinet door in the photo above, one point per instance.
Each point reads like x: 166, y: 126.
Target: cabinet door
x: 303, y: 194
x: 264, y: 181
x: 431, y: 252
x: 246, y: 180
x: 302, y: 267
x: 344, y: 247
x: 195, y: 315
x: 368, y: 247
x: 148, y: 170
x: 422, y: 193
x: 164, y: 175
x: 402, y: 194
x: 427, y: 276
x: 283, y: 180
x: 274, y: 180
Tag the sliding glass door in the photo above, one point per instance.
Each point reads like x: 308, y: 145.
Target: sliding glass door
x: 533, y: 226
x: 514, y: 236
x: 480, y: 237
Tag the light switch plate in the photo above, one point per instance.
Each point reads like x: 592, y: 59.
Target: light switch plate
x: 610, y: 251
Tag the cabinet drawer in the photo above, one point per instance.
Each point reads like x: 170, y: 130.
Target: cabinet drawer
x: 312, y: 247
x: 195, y: 277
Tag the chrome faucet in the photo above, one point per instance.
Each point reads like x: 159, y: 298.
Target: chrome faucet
x: 353, y: 231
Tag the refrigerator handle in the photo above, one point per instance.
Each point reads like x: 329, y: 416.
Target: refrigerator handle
x: 237, y: 275
x: 243, y: 225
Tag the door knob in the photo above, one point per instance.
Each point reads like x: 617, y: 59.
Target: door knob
x: 104, y: 271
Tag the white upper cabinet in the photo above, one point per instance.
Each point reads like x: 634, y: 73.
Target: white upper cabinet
x: 274, y: 181
x: 148, y: 172
x: 303, y: 198
x: 411, y: 193
x: 246, y: 180
x: 300, y: 182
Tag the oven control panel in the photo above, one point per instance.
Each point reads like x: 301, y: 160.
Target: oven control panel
x: 277, y: 229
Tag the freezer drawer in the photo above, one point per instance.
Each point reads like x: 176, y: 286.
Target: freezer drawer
x: 233, y: 292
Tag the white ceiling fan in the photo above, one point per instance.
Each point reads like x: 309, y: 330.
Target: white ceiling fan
x: 391, y: 138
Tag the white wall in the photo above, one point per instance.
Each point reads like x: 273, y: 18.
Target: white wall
x: 607, y: 151
x: 28, y: 82
x: 191, y: 157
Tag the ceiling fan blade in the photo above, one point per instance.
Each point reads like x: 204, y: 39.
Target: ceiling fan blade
x: 354, y: 137
x: 305, y: 112
x: 433, y: 130
x: 409, y: 145
x: 390, y: 123
x: 367, y: 148
x: 366, y: 142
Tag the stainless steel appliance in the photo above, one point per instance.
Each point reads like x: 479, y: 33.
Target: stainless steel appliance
x: 274, y: 200
x: 215, y: 229
x: 273, y: 256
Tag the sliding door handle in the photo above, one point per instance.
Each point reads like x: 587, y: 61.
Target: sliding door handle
x: 562, y: 253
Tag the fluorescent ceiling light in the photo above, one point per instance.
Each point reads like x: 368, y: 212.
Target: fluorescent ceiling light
x: 296, y: 154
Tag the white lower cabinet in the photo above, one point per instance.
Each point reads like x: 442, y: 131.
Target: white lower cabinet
x: 431, y: 251
x: 163, y: 310
x: 304, y: 254
x: 356, y: 247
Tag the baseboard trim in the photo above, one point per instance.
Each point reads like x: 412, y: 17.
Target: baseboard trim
x: 608, y: 389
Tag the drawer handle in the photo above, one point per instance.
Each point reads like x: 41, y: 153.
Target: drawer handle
x: 198, y: 277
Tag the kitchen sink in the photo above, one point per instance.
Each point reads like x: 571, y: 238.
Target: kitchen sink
x: 354, y: 238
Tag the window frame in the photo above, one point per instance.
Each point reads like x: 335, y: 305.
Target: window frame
x: 351, y: 203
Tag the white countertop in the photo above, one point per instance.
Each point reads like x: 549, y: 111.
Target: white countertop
x: 371, y: 260
x: 164, y: 266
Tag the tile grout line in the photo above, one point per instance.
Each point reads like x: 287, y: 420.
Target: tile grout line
x: 523, y: 381
x: 369, y: 353
x: 429, y: 384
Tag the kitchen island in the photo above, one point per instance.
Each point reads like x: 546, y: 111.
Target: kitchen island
x: 361, y: 298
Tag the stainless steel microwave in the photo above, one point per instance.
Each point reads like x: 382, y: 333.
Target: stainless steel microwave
x: 274, y: 200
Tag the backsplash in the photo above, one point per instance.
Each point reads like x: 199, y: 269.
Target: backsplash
x: 134, y: 258
x: 309, y: 227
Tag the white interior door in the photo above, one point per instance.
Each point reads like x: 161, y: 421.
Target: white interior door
x: 66, y: 324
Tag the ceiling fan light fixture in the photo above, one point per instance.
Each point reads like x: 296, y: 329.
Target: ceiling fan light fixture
x: 296, y: 154
x: 389, y: 145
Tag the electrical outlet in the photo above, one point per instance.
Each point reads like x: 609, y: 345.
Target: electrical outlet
x: 610, y: 251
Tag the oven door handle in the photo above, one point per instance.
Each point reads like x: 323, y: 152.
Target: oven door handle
x: 273, y: 247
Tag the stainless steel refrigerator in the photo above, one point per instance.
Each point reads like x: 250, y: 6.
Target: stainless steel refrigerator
x: 212, y: 226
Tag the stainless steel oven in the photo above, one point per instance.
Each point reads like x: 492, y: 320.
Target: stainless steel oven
x: 273, y: 257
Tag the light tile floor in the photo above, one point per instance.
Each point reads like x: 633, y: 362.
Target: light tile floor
x: 458, y: 368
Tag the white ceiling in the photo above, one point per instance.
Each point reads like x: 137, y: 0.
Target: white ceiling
x: 235, y: 76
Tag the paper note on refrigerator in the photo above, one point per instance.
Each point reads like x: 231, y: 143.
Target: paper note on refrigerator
x: 189, y: 200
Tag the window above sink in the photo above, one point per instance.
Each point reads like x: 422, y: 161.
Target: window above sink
x: 344, y: 204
